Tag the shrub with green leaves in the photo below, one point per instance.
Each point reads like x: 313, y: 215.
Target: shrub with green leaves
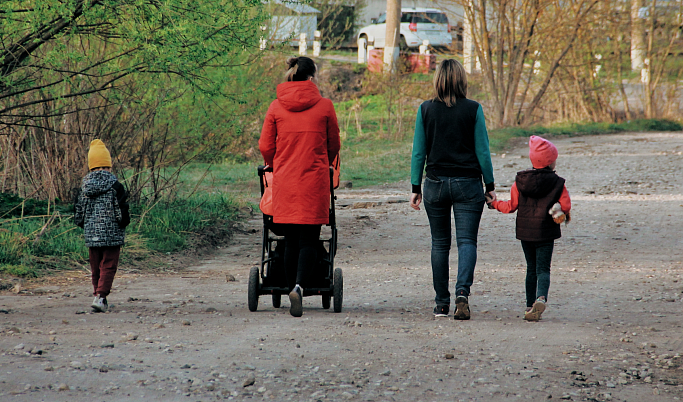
x: 31, y: 247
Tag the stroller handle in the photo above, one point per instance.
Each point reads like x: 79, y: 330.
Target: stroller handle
x: 263, y: 169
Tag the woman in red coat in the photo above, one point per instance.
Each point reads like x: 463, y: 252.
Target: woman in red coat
x: 300, y: 139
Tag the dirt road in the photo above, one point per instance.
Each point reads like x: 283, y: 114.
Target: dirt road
x: 612, y: 330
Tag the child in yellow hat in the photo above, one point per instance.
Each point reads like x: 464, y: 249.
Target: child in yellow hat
x: 102, y: 211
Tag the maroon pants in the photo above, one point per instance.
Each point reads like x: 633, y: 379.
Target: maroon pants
x: 103, y: 263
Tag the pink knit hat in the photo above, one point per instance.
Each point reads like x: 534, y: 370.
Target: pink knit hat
x: 541, y: 152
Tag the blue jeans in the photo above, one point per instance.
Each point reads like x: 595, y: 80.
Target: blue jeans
x: 466, y: 197
x: 538, y: 256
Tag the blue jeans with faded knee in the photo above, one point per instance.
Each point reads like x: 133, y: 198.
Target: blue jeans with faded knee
x: 465, y: 196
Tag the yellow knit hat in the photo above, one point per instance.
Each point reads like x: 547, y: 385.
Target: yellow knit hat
x: 98, y: 156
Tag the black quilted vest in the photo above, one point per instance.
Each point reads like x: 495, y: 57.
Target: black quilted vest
x: 539, y: 190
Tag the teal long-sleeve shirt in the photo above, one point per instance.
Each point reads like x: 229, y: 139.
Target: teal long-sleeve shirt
x: 481, y: 148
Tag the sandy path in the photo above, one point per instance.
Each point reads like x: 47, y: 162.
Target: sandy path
x: 612, y: 330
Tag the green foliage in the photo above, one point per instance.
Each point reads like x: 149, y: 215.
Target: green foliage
x: 12, y: 205
x: 12, y: 247
x: 211, y: 127
x: 166, y: 227
x: 18, y: 270
x: 59, y: 49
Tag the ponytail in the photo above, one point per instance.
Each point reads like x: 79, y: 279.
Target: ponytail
x: 300, y: 69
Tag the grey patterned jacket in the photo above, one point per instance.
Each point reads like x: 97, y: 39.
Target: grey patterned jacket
x: 102, y: 210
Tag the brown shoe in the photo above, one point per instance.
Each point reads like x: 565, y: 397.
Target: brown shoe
x: 296, y: 303
x: 536, y: 310
x: 462, y: 308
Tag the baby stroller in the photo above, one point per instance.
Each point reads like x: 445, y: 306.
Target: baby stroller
x: 326, y: 281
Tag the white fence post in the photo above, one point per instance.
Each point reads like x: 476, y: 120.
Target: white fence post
x: 598, y: 57
x: 302, y: 44
x: 263, y: 43
x: 424, y: 47
x: 362, y: 51
x: 644, y: 73
x: 316, y: 44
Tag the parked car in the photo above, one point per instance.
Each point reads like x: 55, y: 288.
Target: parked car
x: 417, y: 24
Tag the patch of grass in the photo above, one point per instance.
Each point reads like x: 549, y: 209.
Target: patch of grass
x: 163, y: 228
x: 168, y: 226
x: 18, y: 270
x: 227, y: 178
x: 500, y: 138
x: 374, y: 161
x: 12, y: 205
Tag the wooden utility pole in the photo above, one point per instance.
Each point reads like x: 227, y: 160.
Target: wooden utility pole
x: 391, y: 45
x: 638, y: 47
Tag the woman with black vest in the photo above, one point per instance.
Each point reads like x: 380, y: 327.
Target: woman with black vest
x: 451, y: 136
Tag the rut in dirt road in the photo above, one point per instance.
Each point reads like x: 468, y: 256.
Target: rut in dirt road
x: 611, y: 332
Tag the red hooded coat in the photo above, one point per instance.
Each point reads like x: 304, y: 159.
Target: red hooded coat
x: 300, y: 139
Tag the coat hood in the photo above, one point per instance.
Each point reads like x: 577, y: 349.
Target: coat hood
x: 297, y: 96
x: 98, y: 182
x: 536, y: 183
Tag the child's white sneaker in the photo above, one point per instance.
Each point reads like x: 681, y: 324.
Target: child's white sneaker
x: 99, y: 305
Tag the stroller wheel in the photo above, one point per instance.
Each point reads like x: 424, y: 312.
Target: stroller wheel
x: 276, y: 300
x: 338, y: 292
x: 252, y: 294
x: 326, y: 301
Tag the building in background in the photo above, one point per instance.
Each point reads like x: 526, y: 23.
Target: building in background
x: 290, y: 19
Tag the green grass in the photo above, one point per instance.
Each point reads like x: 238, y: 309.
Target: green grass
x: 228, y: 178
x: 500, y: 138
x: 166, y: 227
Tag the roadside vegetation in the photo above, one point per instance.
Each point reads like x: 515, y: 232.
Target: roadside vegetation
x: 179, y: 98
x: 37, y: 238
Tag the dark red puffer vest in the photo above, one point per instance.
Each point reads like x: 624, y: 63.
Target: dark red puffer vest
x: 539, y: 190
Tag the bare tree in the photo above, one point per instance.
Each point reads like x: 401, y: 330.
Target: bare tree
x: 663, y: 36
x: 509, y: 35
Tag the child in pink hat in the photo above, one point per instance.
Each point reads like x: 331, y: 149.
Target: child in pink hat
x: 533, y: 196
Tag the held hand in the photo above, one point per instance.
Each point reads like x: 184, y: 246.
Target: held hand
x: 415, y: 200
x: 490, y: 197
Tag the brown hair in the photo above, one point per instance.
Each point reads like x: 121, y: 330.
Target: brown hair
x: 450, y: 82
x: 300, y: 69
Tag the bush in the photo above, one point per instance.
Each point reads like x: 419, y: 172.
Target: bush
x: 18, y: 270
x: 164, y: 228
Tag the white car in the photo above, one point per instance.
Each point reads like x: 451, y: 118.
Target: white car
x: 417, y: 24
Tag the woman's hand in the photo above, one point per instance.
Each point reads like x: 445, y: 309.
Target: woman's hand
x: 415, y: 200
x: 490, y: 197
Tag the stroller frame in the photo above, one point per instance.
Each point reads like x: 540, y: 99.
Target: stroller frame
x: 265, y: 279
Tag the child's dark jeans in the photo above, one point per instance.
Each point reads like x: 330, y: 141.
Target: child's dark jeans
x: 103, y: 264
x: 538, y: 258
